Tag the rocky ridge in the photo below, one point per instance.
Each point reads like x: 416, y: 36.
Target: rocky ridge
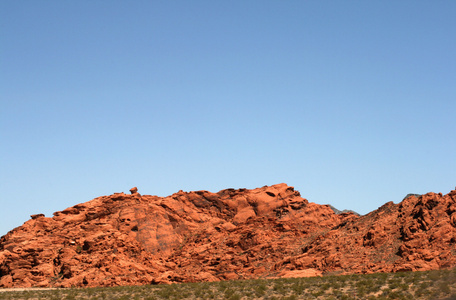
x: 126, y: 239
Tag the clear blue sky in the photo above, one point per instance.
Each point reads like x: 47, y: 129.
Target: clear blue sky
x: 351, y: 102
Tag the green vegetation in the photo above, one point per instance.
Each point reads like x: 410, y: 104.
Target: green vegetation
x: 408, y: 285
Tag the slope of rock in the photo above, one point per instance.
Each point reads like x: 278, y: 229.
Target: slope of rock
x: 415, y: 235
x: 233, y: 234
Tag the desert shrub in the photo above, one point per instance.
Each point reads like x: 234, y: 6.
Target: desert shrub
x: 398, y: 295
x: 434, y: 275
x: 403, y: 286
x: 298, y: 288
x: 412, y: 285
x: 228, y: 293
x: 444, y: 287
x: 279, y: 288
x: 361, y: 291
x: 317, y: 293
x: 326, y: 286
x: 235, y: 296
x: 260, y: 290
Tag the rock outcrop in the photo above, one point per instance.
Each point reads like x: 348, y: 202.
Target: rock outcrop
x: 126, y: 239
x: 338, y: 212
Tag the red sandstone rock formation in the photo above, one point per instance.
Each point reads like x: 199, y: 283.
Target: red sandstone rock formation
x: 233, y: 234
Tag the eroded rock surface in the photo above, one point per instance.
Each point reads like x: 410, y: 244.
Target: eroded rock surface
x: 233, y: 234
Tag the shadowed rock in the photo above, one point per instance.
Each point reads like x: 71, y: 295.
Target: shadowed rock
x: 338, y: 212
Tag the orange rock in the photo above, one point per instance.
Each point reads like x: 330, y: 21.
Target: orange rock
x: 300, y: 273
x: 202, y: 236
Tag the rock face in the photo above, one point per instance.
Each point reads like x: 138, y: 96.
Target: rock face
x: 233, y: 234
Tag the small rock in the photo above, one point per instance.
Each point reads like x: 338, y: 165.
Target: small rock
x: 36, y: 216
x: 134, y: 190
